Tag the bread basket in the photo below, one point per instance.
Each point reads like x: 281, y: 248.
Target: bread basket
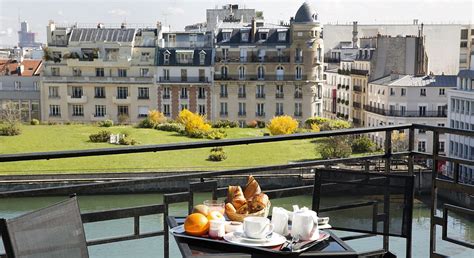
x: 234, y: 216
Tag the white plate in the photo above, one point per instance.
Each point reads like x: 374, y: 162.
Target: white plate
x: 249, y: 239
x: 236, y: 238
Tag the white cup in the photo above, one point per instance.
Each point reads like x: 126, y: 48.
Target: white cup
x: 280, y: 221
x: 305, y: 224
x: 257, y: 227
x: 217, y: 229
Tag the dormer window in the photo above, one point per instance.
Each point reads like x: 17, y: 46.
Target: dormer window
x: 281, y: 36
x: 202, y: 57
x: 244, y: 36
x: 225, y: 36
x: 166, y: 57
x: 263, y: 35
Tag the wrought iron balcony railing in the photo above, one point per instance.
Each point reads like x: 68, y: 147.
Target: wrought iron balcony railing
x: 405, y: 113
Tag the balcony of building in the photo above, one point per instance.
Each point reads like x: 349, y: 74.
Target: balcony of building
x: 98, y: 79
x: 119, y: 61
x: 255, y: 77
x: 405, y: 113
x: 359, y: 72
x: 356, y: 104
x: 369, y: 199
x: 357, y: 88
x: 253, y: 59
x: 181, y: 79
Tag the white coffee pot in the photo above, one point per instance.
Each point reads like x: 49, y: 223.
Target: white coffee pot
x: 304, y: 224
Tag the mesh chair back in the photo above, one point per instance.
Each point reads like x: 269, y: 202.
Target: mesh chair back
x: 54, y: 231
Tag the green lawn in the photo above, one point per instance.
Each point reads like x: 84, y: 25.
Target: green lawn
x: 73, y: 137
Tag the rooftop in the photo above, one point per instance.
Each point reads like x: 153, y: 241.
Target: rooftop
x: 306, y: 13
x: 31, y: 67
x: 102, y: 35
x: 417, y: 81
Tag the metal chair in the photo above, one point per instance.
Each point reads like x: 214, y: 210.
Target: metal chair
x: 54, y: 231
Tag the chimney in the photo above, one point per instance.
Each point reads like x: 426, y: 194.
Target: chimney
x: 254, y: 28
x: 123, y: 25
x: 355, y: 33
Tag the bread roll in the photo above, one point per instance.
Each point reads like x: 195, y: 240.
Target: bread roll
x: 259, y: 202
x: 229, y: 208
x: 252, y: 188
x: 236, y: 196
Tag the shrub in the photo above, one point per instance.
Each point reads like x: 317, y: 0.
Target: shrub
x: 335, y: 147
x: 52, y: 123
x: 362, y: 144
x: 122, y: 119
x: 156, y: 117
x: 335, y: 125
x: 146, y: 123
x: 106, y: 123
x: 252, y: 124
x: 225, y: 124
x: 315, y: 128
x: 316, y: 120
x: 195, y: 125
x: 217, y: 134
x: 283, y: 125
x: 127, y: 140
x: 171, y: 127
x: 10, y: 130
x: 34, y: 122
x: 102, y: 136
x: 261, y: 124
x: 217, y: 154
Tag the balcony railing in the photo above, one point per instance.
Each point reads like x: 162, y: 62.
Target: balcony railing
x: 96, y: 79
x: 357, y: 88
x: 279, y: 95
x: 254, y: 77
x: 385, y: 184
x: 356, y: 104
x: 359, y: 72
x: 242, y: 95
x: 407, y: 113
x: 260, y: 114
x: 179, y: 79
x: 254, y: 59
x: 260, y: 95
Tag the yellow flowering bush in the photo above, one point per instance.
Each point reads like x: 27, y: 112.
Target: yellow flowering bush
x: 315, y: 128
x: 282, y: 125
x: 194, y: 125
x: 156, y: 117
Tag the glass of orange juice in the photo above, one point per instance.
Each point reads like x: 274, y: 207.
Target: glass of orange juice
x: 215, y: 205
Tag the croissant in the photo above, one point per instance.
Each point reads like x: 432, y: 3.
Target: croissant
x: 252, y: 188
x: 259, y: 202
x: 236, y: 196
x: 229, y: 208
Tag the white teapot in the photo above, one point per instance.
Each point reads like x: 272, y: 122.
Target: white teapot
x: 304, y: 224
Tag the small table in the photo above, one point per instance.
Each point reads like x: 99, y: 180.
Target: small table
x: 333, y: 247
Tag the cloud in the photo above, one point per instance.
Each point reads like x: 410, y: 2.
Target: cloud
x: 118, y: 12
x: 60, y: 13
x: 174, y: 11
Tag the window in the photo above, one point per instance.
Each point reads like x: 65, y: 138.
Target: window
x: 99, y: 72
x: 224, y: 53
x: 441, y: 124
x: 202, y: 109
x: 183, y: 107
x: 184, y: 75
x: 76, y: 92
x: 223, y: 92
x: 392, y: 92
x: 280, y: 73
x: 441, y: 92
x: 122, y: 72
x: 279, y: 91
x: 54, y: 110
x: 166, y: 74
x: 298, y: 55
x: 263, y: 35
x: 242, y: 91
x: 202, y: 58
x: 282, y: 36
x: 166, y: 92
x: 442, y: 110
x: 223, y: 111
x: 201, y: 93
x: 99, y: 92
x: 464, y: 33
x: 184, y: 57
x: 241, y: 73
x: 55, y: 71
x: 279, y: 109
x: 260, y: 91
x: 422, y: 92
x: 166, y: 58
x: 421, y: 131
x: 422, y: 110
x: 463, y: 44
x: 77, y: 110
x: 17, y: 85
x: 76, y: 72
x: 122, y: 92
x: 298, y: 92
x: 166, y: 110
x: 144, y: 72
x: 36, y: 86
x: 122, y: 110
x: 145, y: 57
x: 184, y: 93
x: 422, y: 146
x: 244, y: 36
x: 243, y: 55
x: 242, y: 109
x: 111, y: 54
x: 143, y: 93
x: 225, y: 36
x: 224, y: 72
x: 260, y: 73
x: 100, y: 111
x: 53, y: 92
x: 298, y: 109
x: 143, y: 111
x: 299, y: 73
x: 260, y: 109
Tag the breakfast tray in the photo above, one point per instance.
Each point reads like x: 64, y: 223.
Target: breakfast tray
x: 221, y: 243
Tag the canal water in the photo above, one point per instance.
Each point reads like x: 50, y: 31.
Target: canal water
x: 459, y: 227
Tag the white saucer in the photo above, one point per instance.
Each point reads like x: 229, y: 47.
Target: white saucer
x: 239, y: 238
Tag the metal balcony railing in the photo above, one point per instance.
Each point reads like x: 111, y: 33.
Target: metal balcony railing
x: 179, y: 79
x: 359, y: 72
x: 407, y: 113
x: 254, y: 77
x: 357, y: 88
x: 356, y: 104
x: 253, y: 59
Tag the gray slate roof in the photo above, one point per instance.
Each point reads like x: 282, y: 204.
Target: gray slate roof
x: 466, y: 73
x: 418, y: 81
x: 101, y: 35
x: 305, y: 14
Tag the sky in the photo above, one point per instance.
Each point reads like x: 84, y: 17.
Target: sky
x: 179, y: 13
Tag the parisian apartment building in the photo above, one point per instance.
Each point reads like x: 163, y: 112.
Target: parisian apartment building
x: 20, y: 86
x: 461, y: 116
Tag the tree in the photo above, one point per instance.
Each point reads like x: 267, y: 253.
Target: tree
x: 10, y: 116
x: 335, y: 147
x: 399, y: 141
x: 363, y: 144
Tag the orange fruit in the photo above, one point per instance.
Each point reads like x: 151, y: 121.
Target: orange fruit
x: 215, y: 215
x: 196, y: 224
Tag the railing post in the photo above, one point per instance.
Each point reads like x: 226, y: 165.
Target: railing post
x: 434, y: 193
x: 411, y: 147
x: 388, y: 150
x: 316, y: 190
